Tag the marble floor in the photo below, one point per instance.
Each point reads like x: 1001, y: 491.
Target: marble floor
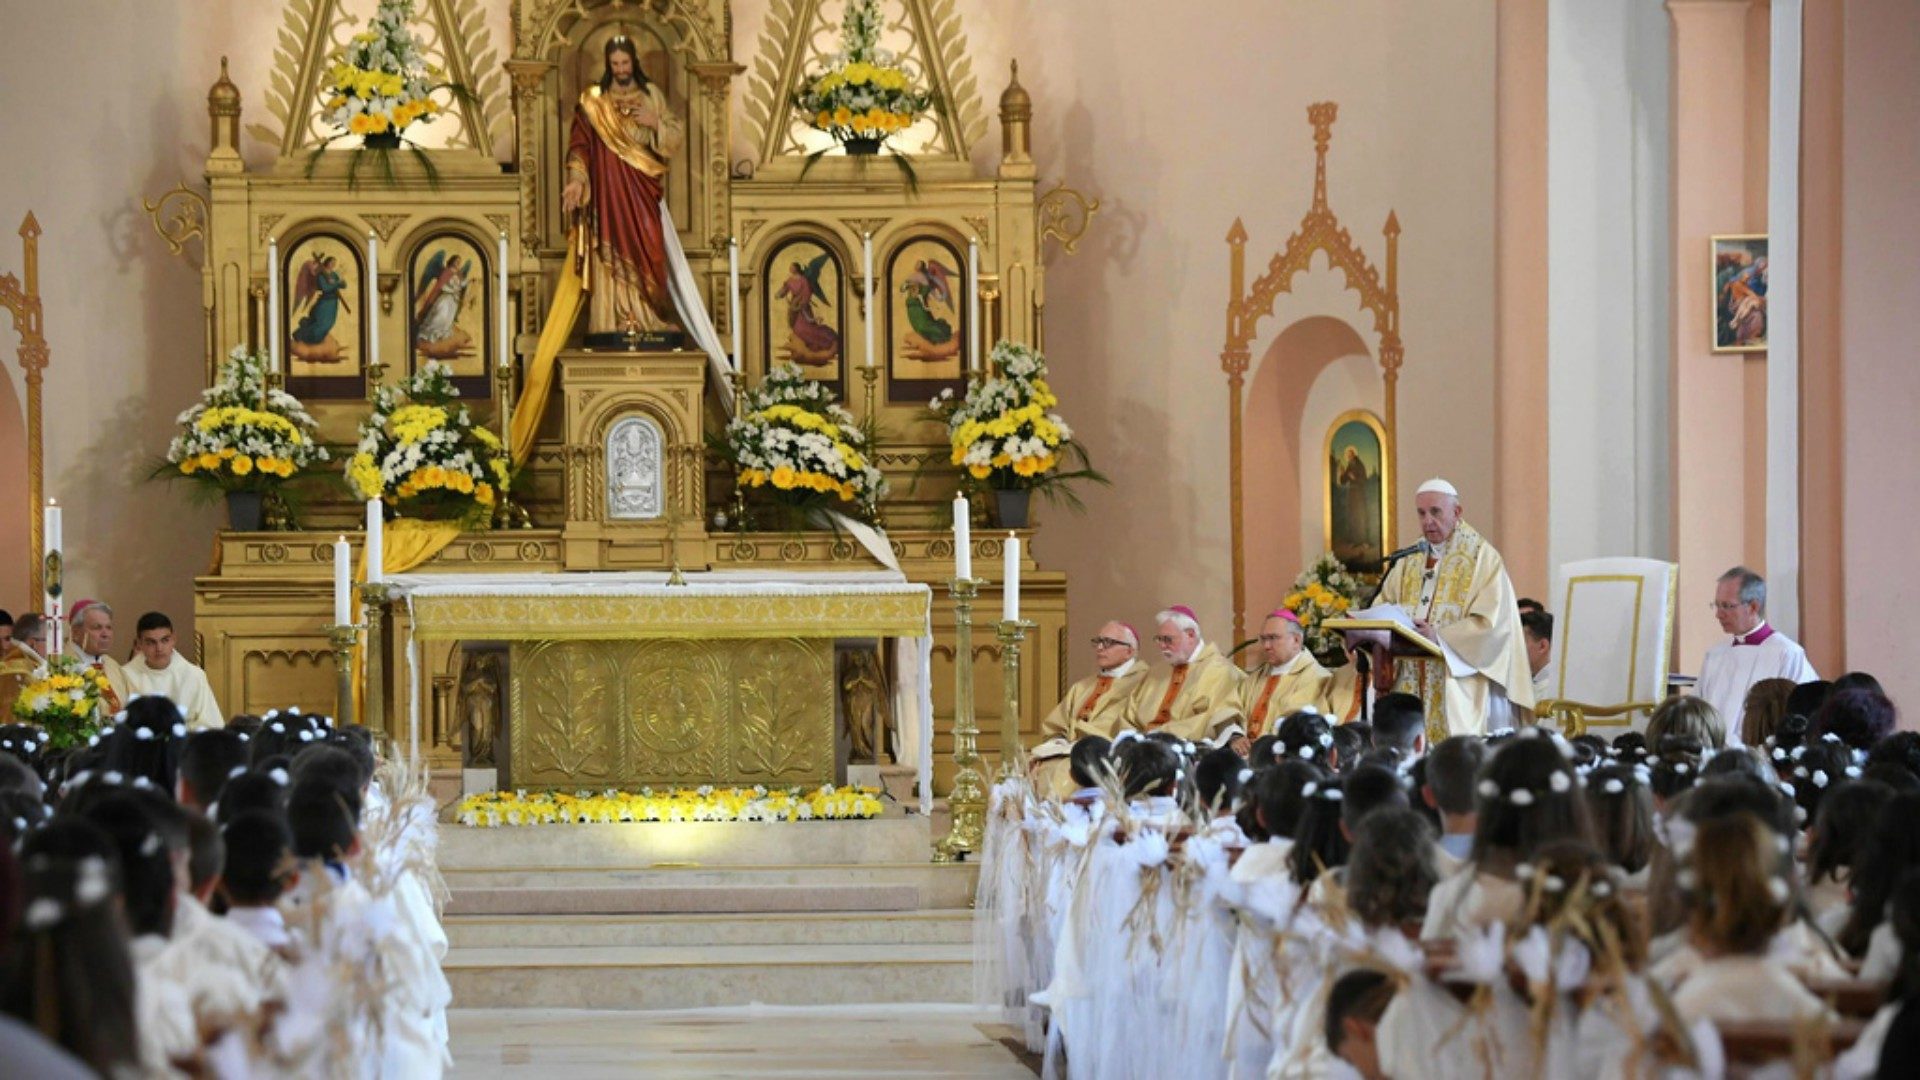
x: 749, y: 1041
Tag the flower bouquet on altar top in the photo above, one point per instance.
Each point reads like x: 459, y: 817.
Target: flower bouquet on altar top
x: 792, y: 443
x: 379, y: 83
x: 243, y: 439
x: 1324, y: 590
x: 1006, y: 437
x: 865, y: 94
x: 421, y: 451
x: 66, y: 701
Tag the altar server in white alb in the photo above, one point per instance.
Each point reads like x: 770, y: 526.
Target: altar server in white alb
x: 1757, y: 650
x: 158, y: 669
x: 1459, y: 596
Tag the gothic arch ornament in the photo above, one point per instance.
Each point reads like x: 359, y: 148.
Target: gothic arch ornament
x: 1320, y: 232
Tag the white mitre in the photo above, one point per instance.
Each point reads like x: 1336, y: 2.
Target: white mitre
x: 1437, y: 486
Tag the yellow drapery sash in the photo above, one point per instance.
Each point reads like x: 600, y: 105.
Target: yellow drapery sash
x: 408, y: 542
x: 553, y: 337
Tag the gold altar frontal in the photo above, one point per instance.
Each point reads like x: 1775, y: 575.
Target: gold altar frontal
x: 622, y: 680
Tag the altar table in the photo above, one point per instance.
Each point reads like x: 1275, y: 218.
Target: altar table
x: 624, y: 680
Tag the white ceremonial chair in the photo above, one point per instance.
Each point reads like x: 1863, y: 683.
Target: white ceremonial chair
x: 1613, y: 634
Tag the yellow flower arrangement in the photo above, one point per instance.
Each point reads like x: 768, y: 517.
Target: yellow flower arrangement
x: 379, y: 81
x: 792, y: 440
x: 494, y: 809
x: 865, y: 92
x: 420, y: 449
x: 1324, y: 590
x: 242, y: 436
x: 66, y: 702
x: 1005, y: 431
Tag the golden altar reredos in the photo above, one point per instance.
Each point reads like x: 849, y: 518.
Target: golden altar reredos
x: 495, y: 162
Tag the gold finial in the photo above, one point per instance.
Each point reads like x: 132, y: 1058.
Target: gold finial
x: 223, y: 111
x: 1016, y: 120
x: 1321, y: 115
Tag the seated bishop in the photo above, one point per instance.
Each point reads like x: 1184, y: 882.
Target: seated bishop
x: 1100, y: 704
x: 1198, y: 696
x: 1289, y: 679
x: 91, y: 642
x: 158, y: 669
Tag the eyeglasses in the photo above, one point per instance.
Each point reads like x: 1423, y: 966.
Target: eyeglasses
x: 1725, y: 607
x: 1110, y: 643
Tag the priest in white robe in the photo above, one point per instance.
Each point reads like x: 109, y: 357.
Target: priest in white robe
x: 1756, y: 651
x: 1100, y: 704
x: 157, y: 669
x: 1459, y: 596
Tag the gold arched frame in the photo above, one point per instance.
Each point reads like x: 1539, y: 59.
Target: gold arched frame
x: 20, y: 296
x: 1320, y: 232
x: 1364, y: 416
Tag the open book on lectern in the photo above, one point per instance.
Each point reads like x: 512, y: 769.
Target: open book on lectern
x: 1398, y: 623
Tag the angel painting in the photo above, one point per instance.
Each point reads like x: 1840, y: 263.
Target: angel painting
x: 931, y: 312
x: 318, y: 300
x: 810, y: 342
x: 439, y: 295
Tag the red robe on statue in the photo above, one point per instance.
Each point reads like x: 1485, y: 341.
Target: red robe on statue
x: 623, y: 263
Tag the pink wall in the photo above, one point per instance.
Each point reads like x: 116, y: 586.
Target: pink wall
x: 1718, y: 401
x: 1520, y: 282
x: 1880, y: 277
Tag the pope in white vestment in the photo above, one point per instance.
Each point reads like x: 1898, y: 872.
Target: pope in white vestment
x: 1756, y: 651
x: 1460, y: 597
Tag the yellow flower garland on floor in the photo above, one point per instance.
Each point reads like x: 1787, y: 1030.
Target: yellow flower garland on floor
x: 494, y: 809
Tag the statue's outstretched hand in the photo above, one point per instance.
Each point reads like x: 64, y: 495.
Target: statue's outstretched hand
x: 573, y: 196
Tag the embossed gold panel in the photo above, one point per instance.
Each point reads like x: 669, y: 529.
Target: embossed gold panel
x: 594, y: 714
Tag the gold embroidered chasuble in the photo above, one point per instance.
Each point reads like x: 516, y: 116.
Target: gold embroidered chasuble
x: 1088, y: 709
x: 1204, y: 706
x: 1269, y: 694
x: 1467, y: 597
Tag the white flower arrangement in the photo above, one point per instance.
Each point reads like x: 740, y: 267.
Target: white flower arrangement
x: 792, y: 438
x: 380, y: 82
x: 241, y: 435
x: 864, y: 92
x: 421, y: 450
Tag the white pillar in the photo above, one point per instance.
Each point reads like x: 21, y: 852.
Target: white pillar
x: 1783, y: 319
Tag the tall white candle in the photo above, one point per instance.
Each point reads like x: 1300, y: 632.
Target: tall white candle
x: 962, y: 538
x: 376, y: 542
x: 51, y: 526
x: 342, y: 583
x: 866, y: 251
x: 1010, y: 577
x: 506, y: 347
x: 373, y: 299
x: 733, y: 296
x: 974, y: 329
x: 53, y: 541
x: 273, y: 303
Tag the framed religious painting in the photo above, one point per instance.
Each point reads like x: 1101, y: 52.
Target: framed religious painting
x: 927, y: 323
x: 323, y: 284
x: 803, y: 310
x: 1358, y: 491
x: 1739, y: 293
x: 450, y: 310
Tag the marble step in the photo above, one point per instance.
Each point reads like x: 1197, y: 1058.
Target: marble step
x: 591, y: 899
x: 778, y: 928
x: 892, y: 838
x: 938, y: 886
x: 695, y: 976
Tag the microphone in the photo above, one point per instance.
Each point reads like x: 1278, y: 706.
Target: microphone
x: 1418, y: 547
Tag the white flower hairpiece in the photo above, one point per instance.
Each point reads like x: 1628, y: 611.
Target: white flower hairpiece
x: 1117, y: 739
x: 179, y: 731
x: 1310, y: 788
x: 150, y: 846
x: 142, y: 734
x: 1682, y: 768
x: 19, y: 826
x: 1829, y: 737
x: 1306, y: 750
x: 1601, y: 889
x: 1560, y: 782
x: 244, y: 737
x: 1685, y: 879
x: 1853, y: 772
x: 1246, y: 775
x: 1643, y: 774
x: 1819, y: 778
x: 43, y: 913
x: 90, y: 881
x: 1523, y: 871
x: 236, y: 771
x: 1332, y: 794
x: 278, y: 776
x: 1786, y: 789
x: 6, y: 744
x: 1489, y: 789
x: 1520, y: 797
x: 1779, y: 754
x: 1326, y: 740
x: 1179, y: 775
x: 1778, y: 889
x: 1554, y: 883
x: 281, y: 729
x: 112, y: 776
x: 271, y: 713
x: 1614, y: 786
x: 306, y: 735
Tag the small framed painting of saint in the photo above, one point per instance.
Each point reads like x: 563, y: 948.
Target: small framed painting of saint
x: 926, y: 323
x: 803, y: 310
x: 450, y: 310
x: 1739, y: 293
x: 1359, y: 491
x: 324, y: 288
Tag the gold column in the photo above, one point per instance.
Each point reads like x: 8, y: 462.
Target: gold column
x: 374, y: 596
x: 967, y: 801
x: 342, y: 639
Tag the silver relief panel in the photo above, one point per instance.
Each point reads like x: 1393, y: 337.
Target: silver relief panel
x: 635, y: 480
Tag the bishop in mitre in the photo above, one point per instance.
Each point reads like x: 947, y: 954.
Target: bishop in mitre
x: 1198, y: 696
x: 1100, y: 704
x: 1459, y: 596
x: 1289, y: 679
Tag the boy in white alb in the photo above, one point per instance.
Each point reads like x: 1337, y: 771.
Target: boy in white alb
x: 1757, y: 650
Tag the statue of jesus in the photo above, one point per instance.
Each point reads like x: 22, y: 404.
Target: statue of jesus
x: 623, y: 136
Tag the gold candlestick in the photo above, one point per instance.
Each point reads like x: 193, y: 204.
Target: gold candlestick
x: 506, y: 511
x: 374, y: 596
x: 342, y: 639
x: 1012, y: 753
x: 871, y: 374
x: 967, y: 802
